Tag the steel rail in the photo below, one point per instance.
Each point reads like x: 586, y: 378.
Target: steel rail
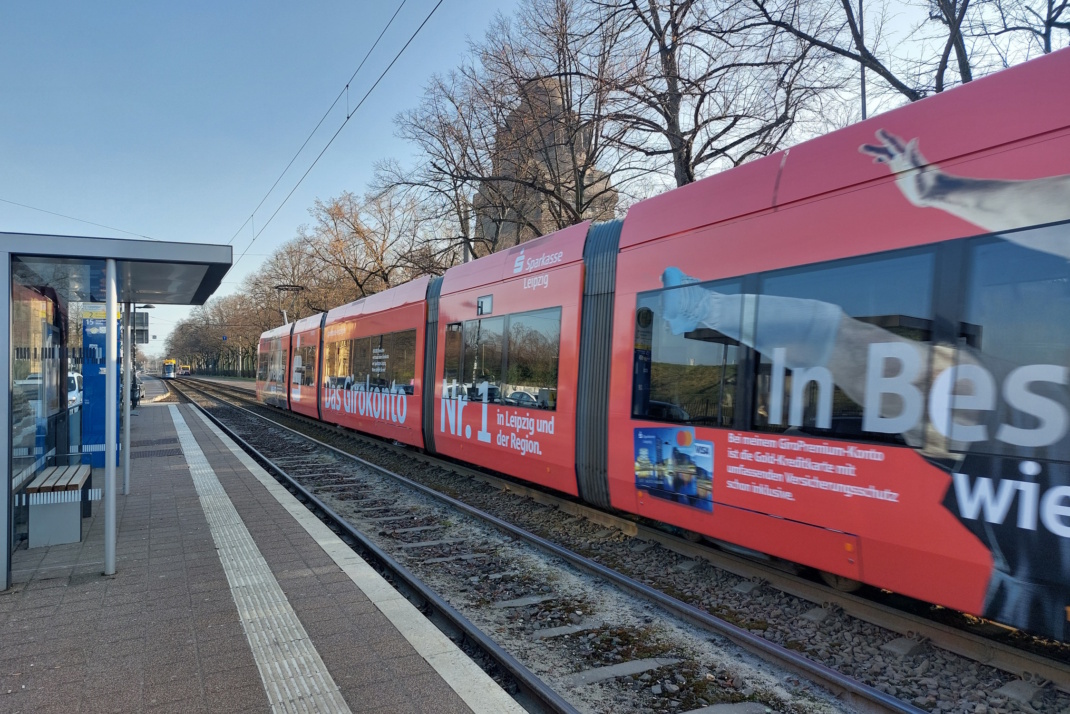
x: 1027, y: 665
x: 858, y: 694
x: 535, y: 695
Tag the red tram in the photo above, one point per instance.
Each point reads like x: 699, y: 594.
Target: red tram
x: 851, y: 354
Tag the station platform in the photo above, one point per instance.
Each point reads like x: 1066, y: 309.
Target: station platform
x: 229, y: 596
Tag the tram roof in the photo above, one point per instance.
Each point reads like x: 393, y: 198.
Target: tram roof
x: 158, y: 272
x: 1016, y: 103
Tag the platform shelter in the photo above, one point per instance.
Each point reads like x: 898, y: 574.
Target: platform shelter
x: 61, y: 298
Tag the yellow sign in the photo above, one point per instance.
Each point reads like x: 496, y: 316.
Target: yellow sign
x: 96, y: 311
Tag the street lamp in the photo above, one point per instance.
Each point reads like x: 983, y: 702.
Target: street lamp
x: 288, y: 288
x: 464, y: 242
x: 127, y: 368
x: 135, y: 307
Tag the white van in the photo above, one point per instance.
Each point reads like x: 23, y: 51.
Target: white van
x: 74, y: 390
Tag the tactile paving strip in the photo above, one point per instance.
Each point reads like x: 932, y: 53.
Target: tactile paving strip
x: 155, y: 453
x: 481, y: 693
x: 295, y: 678
x: 153, y: 442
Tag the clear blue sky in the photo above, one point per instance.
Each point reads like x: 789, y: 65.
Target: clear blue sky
x: 172, y: 120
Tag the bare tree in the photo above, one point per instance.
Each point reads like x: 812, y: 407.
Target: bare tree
x: 291, y: 264
x: 951, y: 14
x: 443, y: 129
x: 516, y: 142
x: 556, y: 156
x: 834, y: 27
x: 220, y: 335
x: 706, y: 84
x: 406, y: 230
x: 1020, y: 29
x: 923, y: 47
x: 373, y: 241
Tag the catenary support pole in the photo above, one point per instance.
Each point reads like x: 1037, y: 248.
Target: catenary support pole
x: 111, y: 389
x: 128, y: 351
x: 5, y: 422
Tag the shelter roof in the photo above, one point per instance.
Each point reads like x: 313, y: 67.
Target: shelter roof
x: 163, y: 273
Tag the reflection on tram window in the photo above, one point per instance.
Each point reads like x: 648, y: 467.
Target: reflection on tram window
x: 305, y: 366
x: 452, y: 350
x: 687, y: 378
x: 483, y: 353
x: 379, y: 362
x: 892, y: 292
x: 515, y: 355
x: 534, y: 346
x: 1017, y: 313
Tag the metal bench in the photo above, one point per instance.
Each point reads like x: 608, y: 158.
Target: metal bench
x: 55, y: 499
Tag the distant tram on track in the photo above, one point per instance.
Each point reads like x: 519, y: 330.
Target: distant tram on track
x: 852, y: 355
x: 169, y: 367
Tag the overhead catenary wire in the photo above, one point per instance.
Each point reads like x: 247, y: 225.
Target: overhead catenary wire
x: 80, y: 220
x: 344, y: 122
x: 345, y: 91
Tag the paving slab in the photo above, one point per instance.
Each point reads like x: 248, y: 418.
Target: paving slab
x: 184, y: 625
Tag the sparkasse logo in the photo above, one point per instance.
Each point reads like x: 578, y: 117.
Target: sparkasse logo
x: 543, y: 261
x: 518, y: 264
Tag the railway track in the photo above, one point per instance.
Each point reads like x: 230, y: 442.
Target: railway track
x: 743, y: 579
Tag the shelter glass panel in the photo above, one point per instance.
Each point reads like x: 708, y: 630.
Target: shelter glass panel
x: 58, y: 331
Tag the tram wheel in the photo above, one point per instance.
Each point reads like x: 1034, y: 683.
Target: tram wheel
x: 839, y: 582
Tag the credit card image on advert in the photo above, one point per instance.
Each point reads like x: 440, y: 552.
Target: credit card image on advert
x: 671, y: 464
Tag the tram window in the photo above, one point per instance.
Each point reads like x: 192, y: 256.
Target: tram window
x: 1019, y: 299
x: 380, y: 351
x: 307, y: 376
x: 380, y: 354
x: 360, y: 360
x: 800, y: 323
x: 378, y: 361
x: 533, y: 348
x: 685, y: 377
x: 276, y: 362
x: 1018, y: 309
x: 452, y: 350
x: 262, y: 366
x: 403, y: 359
x: 336, y: 363
x: 476, y: 351
x: 483, y: 353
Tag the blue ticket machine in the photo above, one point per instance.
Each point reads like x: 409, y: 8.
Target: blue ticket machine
x: 94, y: 385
